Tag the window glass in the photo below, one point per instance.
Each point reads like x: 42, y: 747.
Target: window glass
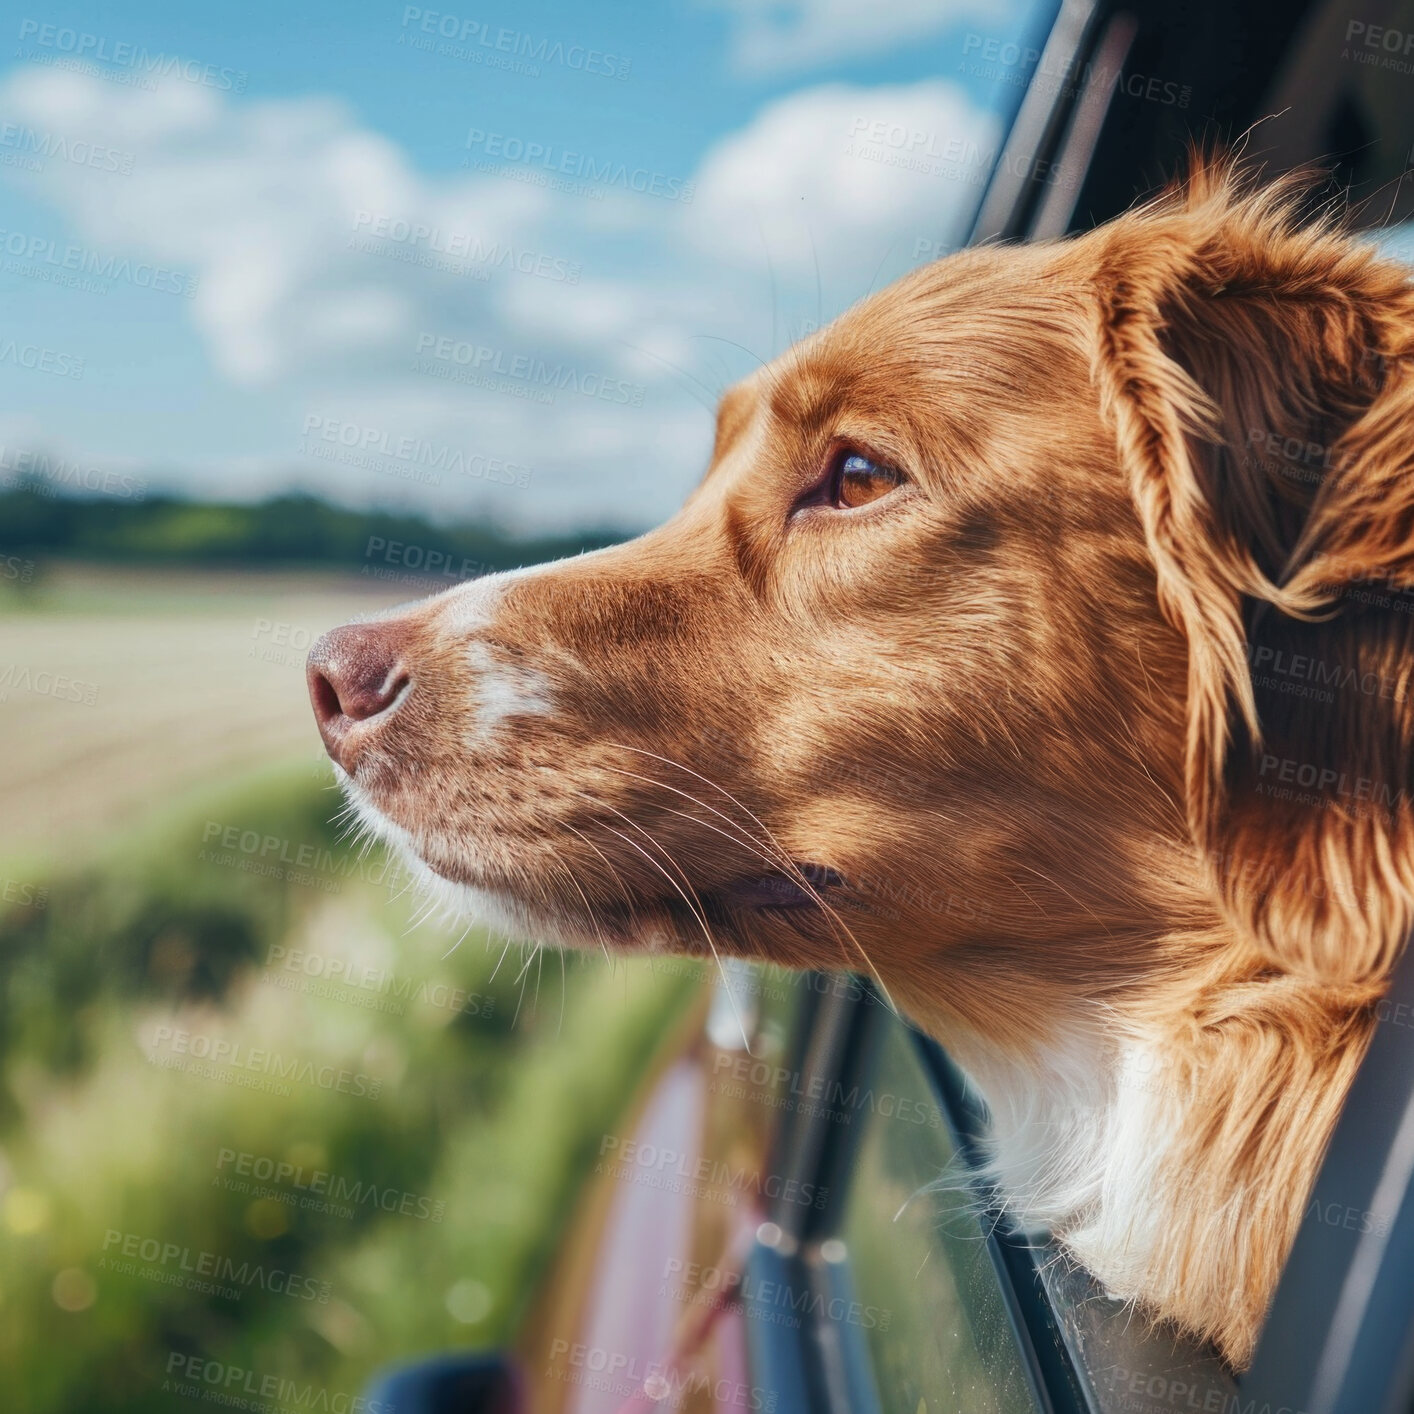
x: 917, y: 1250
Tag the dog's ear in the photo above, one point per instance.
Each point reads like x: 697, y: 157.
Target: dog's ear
x: 1259, y: 376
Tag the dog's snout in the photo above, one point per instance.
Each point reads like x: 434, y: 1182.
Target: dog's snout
x: 357, y: 674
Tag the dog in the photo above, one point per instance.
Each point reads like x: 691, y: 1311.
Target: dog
x: 1037, y: 643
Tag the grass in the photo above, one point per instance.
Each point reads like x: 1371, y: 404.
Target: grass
x: 121, y: 1158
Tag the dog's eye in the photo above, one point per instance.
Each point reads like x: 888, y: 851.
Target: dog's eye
x: 859, y: 480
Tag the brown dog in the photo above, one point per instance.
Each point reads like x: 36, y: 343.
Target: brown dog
x: 1034, y: 643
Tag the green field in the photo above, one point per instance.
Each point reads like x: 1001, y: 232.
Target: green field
x: 252, y: 1112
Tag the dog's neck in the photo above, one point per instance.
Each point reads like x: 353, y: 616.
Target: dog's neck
x: 1171, y: 1143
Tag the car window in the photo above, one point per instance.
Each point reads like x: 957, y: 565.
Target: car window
x: 915, y: 1241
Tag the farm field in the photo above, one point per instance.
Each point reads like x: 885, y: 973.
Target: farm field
x: 122, y: 690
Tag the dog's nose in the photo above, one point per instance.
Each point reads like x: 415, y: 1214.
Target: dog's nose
x: 356, y: 677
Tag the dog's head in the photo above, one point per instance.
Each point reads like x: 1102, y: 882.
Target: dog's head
x: 1020, y: 619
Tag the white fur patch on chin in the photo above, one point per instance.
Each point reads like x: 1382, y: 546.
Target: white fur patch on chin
x: 455, y: 903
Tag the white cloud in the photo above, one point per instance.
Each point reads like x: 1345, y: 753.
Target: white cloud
x: 266, y: 203
x: 259, y: 201
x: 843, y: 174
x: 776, y: 36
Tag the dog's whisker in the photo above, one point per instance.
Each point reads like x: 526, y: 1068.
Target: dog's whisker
x: 706, y: 933
x: 421, y: 917
x: 694, y: 903
x: 798, y: 877
x: 815, y: 261
x: 717, y: 338
x: 693, y: 907
x: 499, y: 961
x: 608, y: 863
x: 707, y: 781
x: 756, y: 847
x: 564, y: 990
x: 520, y: 977
x: 668, y: 363
x: 460, y: 940
x: 589, y: 912
x: 410, y: 884
x: 791, y: 868
x: 539, y: 977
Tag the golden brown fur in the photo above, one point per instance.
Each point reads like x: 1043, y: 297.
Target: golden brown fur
x: 1039, y: 712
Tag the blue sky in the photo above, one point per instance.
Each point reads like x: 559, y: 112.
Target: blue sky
x: 335, y: 248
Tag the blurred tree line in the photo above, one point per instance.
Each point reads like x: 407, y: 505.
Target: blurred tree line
x: 289, y: 530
